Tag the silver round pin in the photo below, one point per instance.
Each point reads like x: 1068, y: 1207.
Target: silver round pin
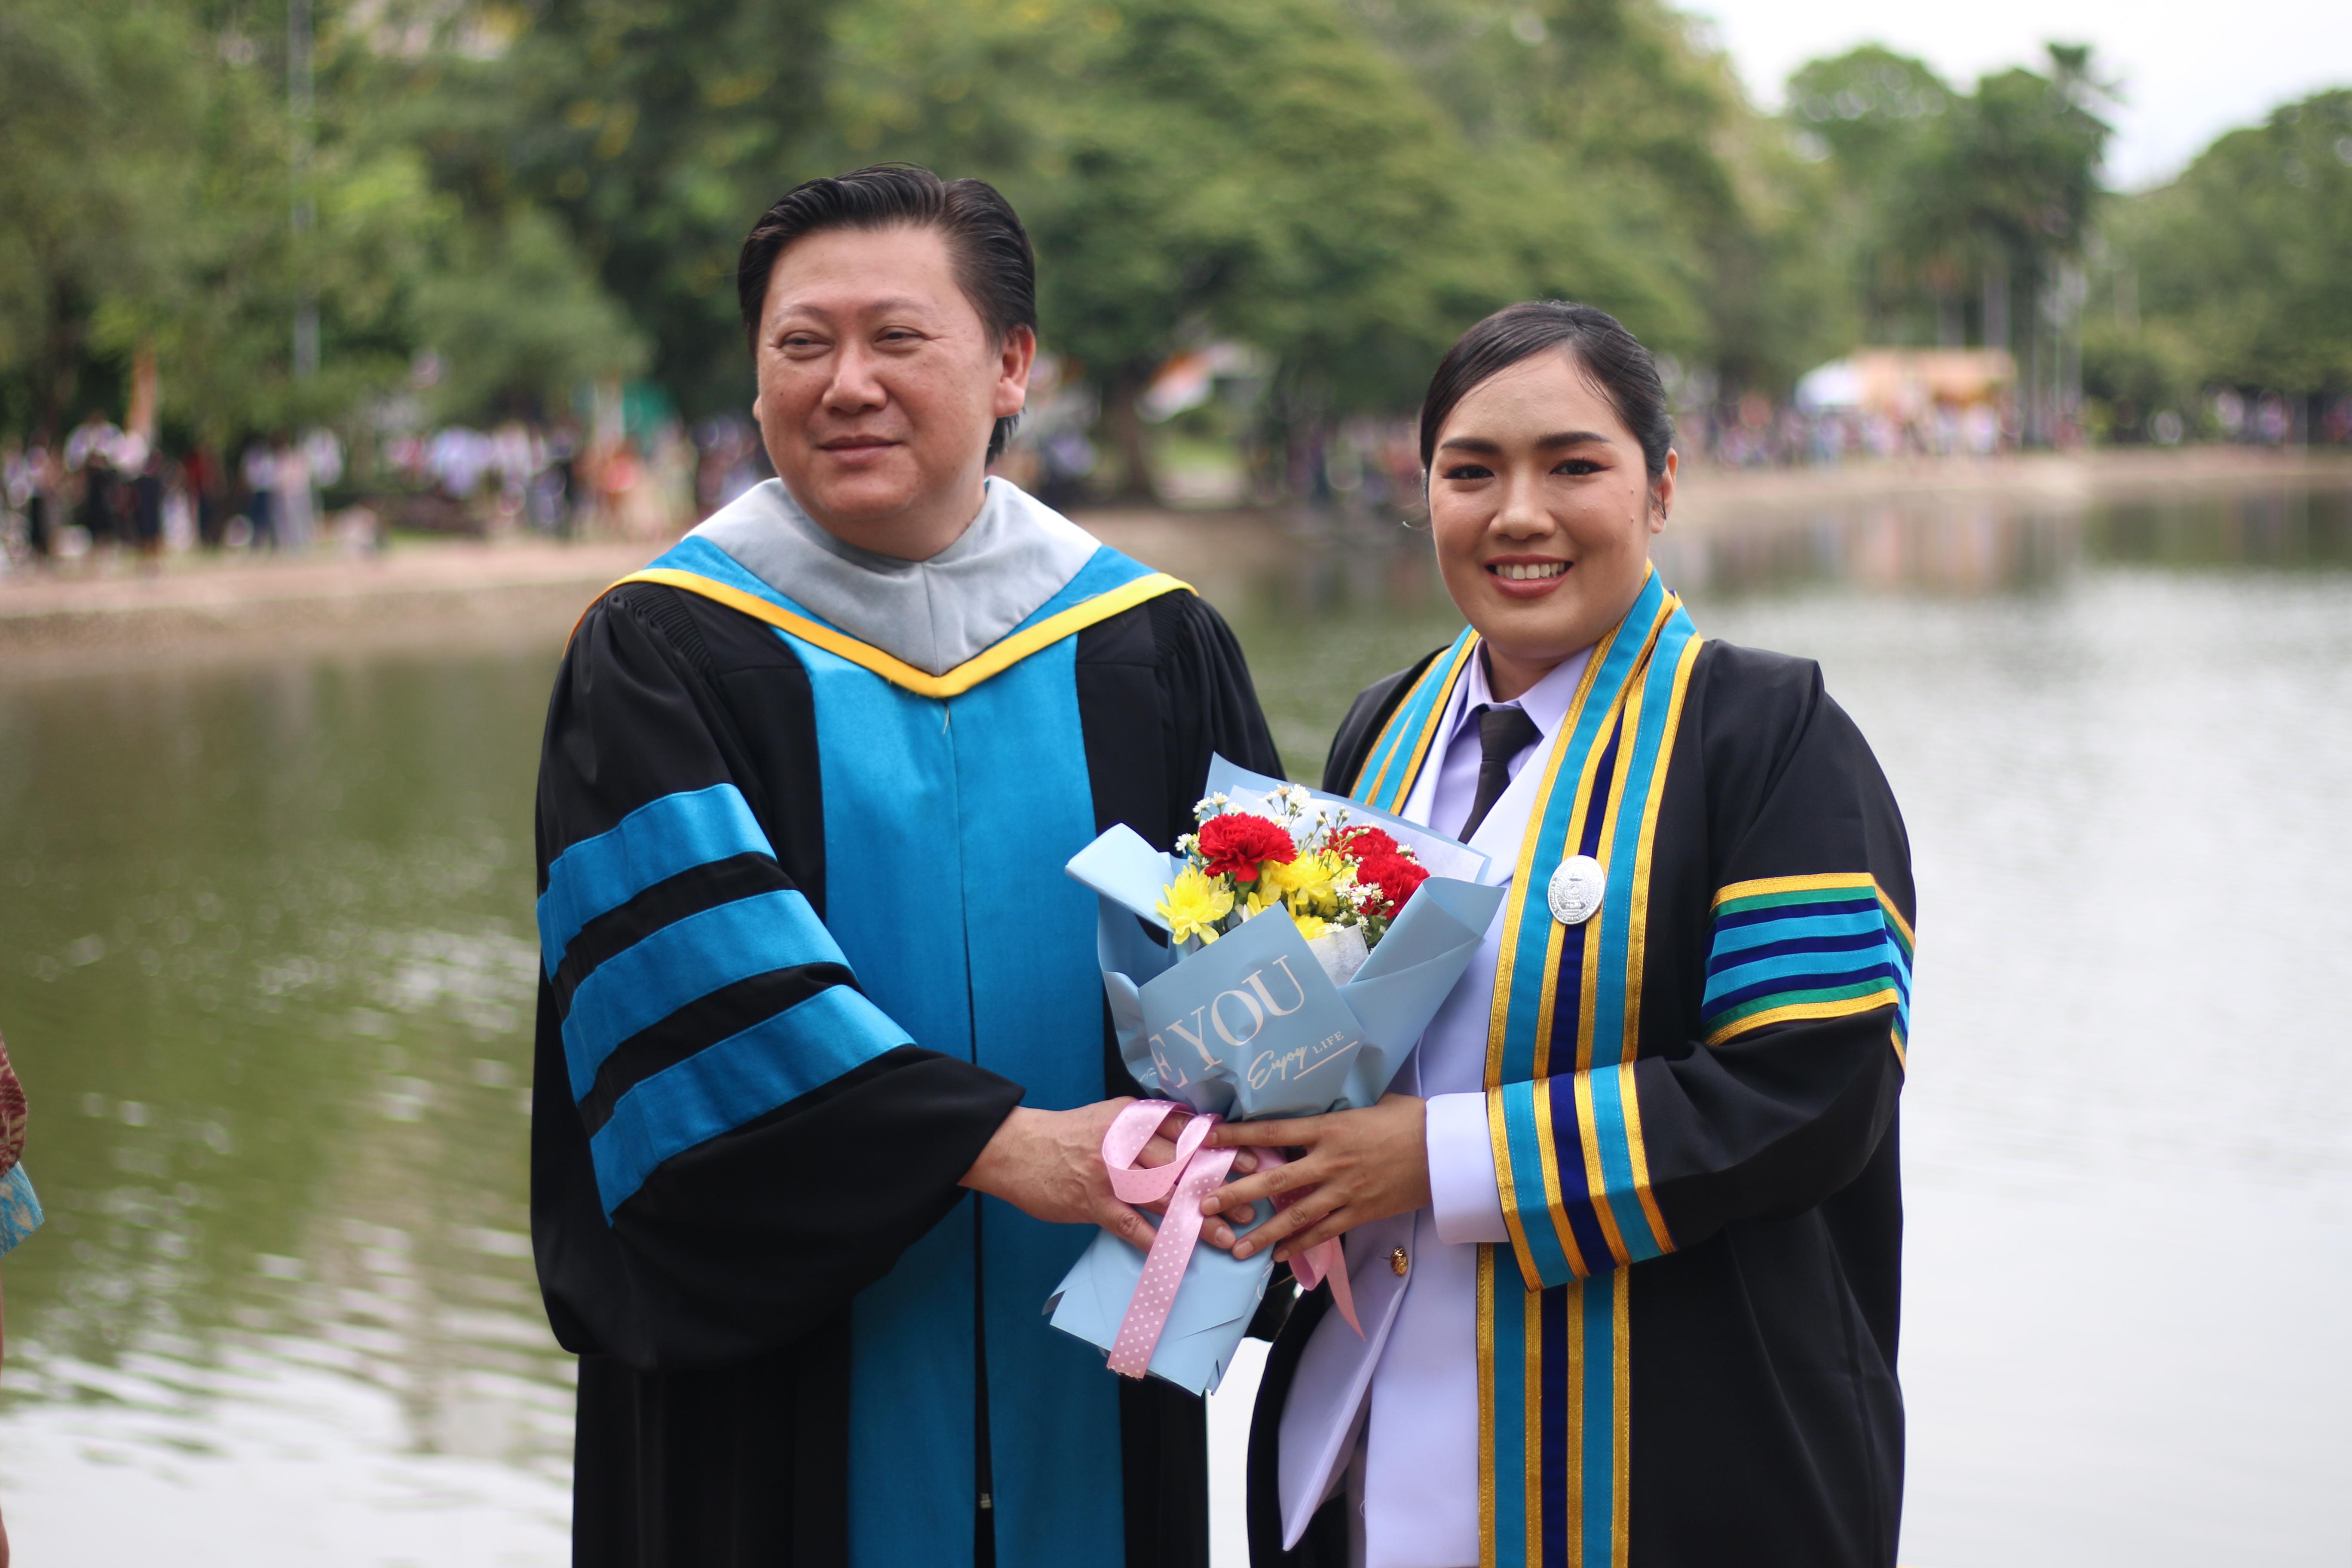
x: 1576, y: 890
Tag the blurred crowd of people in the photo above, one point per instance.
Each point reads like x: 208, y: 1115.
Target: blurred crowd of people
x: 104, y: 489
x: 106, y: 494
x: 118, y: 494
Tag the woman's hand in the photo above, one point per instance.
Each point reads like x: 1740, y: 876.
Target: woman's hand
x: 1358, y: 1166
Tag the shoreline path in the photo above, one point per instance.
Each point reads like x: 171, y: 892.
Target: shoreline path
x: 522, y: 593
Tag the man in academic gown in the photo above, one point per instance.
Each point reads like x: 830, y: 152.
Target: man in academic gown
x: 812, y: 967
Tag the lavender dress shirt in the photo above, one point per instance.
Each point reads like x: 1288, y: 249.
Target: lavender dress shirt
x: 1398, y: 1408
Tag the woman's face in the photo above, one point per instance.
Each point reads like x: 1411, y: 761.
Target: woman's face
x: 1543, y: 511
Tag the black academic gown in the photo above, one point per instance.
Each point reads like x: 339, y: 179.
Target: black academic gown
x: 1766, y: 1423
x: 712, y: 1314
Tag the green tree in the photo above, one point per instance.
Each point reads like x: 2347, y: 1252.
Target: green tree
x: 519, y: 320
x: 655, y: 130
x: 1945, y: 194
x: 2244, y: 255
x: 1198, y: 169
x: 96, y: 113
x: 1872, y: 117
x: 1618, y: 126
x: 149, y: 186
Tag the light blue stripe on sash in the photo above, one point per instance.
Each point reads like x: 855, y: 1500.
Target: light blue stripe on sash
x: 1534, y: 1203
x: 1617, y: 1169
x: 1764, y: 933
x: 1387, y: 763
x: 1525, y: 1003
x: 743, y: 1077
x: 652, y: 844
x: 686, y: 959
x: 1610, y: 1046
x: 1843, y: 961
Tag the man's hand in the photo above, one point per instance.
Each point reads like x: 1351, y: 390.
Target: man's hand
x: 1358, y: 1166
x: 1048, y: 1164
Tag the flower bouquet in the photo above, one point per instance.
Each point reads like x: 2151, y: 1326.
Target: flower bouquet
x: 1308, y: 943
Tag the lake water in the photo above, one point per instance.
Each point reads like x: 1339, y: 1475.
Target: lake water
x: 266, y: 968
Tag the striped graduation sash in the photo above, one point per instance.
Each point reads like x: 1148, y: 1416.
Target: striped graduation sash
x: 1554, y: 1353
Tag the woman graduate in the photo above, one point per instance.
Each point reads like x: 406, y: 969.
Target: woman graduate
x: 1625, y: 1235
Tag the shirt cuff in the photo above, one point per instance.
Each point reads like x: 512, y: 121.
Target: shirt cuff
x: 1463, y: 1196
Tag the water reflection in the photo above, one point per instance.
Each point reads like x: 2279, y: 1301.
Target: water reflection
x: 266, y: 968
x: 265, y: 979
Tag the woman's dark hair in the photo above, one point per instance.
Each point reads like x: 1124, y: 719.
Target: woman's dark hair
x: 1613, y: 357
x: 993, y: 262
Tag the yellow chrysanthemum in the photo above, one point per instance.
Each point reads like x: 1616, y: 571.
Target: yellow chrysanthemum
x: 1308, y: 882
x: 1193, y: 904
x: 1310, y: 926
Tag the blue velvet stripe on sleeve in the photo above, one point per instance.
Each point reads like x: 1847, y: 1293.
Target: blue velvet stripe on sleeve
x: 652, y: 844
x: 725, y: 1085
x: 683, y: 962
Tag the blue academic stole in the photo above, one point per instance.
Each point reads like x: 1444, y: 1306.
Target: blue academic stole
x: 951, y: 803
x: 1554, y: 1342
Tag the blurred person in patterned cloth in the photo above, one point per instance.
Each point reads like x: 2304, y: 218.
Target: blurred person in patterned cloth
x: 20, y: 1212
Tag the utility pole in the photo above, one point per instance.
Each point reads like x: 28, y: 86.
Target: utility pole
x: 299, y: 103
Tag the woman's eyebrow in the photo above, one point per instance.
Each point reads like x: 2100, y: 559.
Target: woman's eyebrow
x: 1543, y: 443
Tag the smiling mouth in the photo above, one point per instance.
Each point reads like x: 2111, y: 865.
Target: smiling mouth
x: 1511, y: 572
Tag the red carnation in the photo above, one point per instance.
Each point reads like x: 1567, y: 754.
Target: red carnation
x: 1356, y: 842
x: 1236, y: 843
x: 1396, y: 874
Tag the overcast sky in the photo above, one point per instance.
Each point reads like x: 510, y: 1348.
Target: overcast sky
x: 2189, y: 73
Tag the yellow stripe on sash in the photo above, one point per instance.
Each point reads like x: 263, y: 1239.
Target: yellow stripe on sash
x: 1818, y: 882
x: 994, y: 661
x: 1485, y: 1336
x: 1637, y: 946
x: 1514, y: 908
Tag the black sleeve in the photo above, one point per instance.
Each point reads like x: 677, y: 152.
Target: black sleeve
x: 1784, y: 1094
x: 1207, y: 702
x: 728, y: 1139
x: 1792, y: 1081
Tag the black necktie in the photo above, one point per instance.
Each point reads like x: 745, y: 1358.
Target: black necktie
x: 1503, y: 733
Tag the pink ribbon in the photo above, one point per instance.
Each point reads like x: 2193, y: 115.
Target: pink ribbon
x: 1191, y: 1176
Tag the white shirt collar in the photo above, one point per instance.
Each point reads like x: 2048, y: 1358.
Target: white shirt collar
x: 1546, y: 701
x: 1547, y: 704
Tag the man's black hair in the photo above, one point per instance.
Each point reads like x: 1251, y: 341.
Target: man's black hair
x: 993, y: 262
x: 1615, y: 358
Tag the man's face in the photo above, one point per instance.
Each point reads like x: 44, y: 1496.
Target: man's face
x: 880, y: 386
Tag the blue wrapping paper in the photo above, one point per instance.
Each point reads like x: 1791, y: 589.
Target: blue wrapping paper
x: 1248, y: 1027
